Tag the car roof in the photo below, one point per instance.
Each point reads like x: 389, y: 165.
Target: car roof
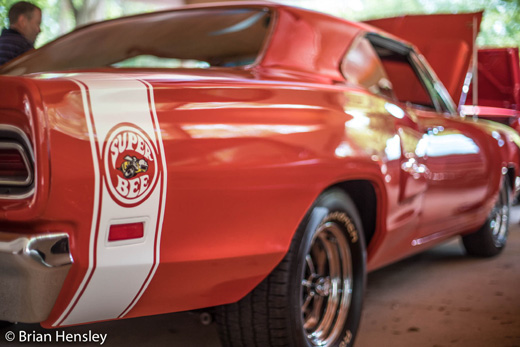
x: 300, y: 40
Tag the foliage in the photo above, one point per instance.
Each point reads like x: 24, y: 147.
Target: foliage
x: 60, y: 17
x: 500, y: 25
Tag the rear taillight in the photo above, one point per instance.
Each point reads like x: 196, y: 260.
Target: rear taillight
x: 17, y: 165
x: 15, y: 169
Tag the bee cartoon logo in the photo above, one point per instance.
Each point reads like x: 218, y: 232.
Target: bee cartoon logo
x: 131, y: 165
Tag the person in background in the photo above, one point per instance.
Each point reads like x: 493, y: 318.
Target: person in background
x: 24, y: 26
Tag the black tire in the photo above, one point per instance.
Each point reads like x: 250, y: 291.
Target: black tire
x: 297, y: 301
x: 4, y: 324
x: 491, y: 238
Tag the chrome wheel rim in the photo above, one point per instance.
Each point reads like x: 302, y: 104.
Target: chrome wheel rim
x: 499, y: 220
x: 326, y: 288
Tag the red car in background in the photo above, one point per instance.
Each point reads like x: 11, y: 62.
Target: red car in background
x: 449, y: 47
x: 254, y: 158
x: 498, y: 96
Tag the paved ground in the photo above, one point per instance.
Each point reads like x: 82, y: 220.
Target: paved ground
x: 440, y: 298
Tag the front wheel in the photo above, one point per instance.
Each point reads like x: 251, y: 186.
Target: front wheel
x: 314, y: 296
x: 491, y: 238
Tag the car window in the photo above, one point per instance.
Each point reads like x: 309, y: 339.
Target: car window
x: 406, y: 83
x: 147, y: 60
x: 437, y: 90
x: 362, y: 66
x: 187, y: 38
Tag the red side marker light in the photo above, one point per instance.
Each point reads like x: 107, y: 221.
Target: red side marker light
x: 131, y: 231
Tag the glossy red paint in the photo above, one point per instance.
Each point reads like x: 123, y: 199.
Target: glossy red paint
x: 447, y: 47
x: 247, y: 150
x: 499, y: 79
x: 498, y: 87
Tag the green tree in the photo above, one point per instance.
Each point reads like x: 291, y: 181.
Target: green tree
x: 500, y: 25
x: 61, y: 17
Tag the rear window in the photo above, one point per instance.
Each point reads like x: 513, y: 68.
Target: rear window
x: 188, y: 38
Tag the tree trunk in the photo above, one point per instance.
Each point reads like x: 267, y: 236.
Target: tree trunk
x: 89, y: 11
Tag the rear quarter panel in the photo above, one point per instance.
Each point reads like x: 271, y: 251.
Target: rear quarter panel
x: 243, y: 162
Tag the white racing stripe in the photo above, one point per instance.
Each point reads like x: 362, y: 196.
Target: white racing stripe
x: 119, y: 272
x: 163, y: 197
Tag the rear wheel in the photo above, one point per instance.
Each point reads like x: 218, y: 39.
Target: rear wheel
x: 491, y: 238
x: 314, y: 296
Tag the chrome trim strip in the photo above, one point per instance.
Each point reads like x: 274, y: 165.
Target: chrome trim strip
x: 32, y: 271
x: 17, y: 196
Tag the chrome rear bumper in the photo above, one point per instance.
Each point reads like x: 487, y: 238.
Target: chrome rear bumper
x: 32, y: 271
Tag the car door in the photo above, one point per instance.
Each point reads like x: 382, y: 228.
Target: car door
x: 458, y: 165
x: 397, y: 135
x: 442, y: 151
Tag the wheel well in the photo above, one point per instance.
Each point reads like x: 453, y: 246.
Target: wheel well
x: 364, y: 197
x: 512, y: 178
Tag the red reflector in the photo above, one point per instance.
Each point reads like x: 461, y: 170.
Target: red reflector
x: 120, y: 232
x: 12, y: 164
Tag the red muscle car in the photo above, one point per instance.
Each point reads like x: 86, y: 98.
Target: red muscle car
x: 254, y: 158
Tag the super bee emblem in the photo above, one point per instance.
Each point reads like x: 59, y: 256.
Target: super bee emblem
x: 131, y: 166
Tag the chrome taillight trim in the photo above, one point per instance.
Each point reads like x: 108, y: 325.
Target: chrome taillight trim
x: 12, y: 182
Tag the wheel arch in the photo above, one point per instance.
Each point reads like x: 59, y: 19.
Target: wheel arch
x: 364, y: 195
x: 511, y: 177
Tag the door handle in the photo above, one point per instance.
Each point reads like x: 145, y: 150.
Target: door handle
x: 412, y: 167
x: 434, y: 130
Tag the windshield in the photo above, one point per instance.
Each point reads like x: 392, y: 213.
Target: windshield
x: 187, y: 38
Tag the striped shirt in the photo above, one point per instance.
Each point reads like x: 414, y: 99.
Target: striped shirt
x: 12, y: 44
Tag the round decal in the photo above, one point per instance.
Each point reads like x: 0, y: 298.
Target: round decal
x: 131, y: 165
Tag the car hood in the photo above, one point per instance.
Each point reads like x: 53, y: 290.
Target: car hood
x: 446, y: 40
